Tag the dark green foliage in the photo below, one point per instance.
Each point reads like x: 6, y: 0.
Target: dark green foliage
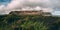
x: 29, y: 22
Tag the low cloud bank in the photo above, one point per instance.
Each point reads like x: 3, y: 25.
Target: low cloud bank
x: 14, y: 5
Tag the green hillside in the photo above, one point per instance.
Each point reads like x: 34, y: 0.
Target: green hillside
x: 29, y: 22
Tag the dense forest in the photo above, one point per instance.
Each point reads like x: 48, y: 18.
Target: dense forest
x: 29, y: 22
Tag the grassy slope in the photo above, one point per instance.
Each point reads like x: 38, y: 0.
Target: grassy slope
x: 29, y: 22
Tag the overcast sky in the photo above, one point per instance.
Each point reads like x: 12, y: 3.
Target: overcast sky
x: 10, y: 5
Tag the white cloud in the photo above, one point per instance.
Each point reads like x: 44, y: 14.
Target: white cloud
x: 38, y: 1
x: 11, y: 6
x: 47, y: 10
x: 56, y: 13
x: 16, y: 4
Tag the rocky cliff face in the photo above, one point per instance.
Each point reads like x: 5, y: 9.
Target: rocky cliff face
x: 31, y: 13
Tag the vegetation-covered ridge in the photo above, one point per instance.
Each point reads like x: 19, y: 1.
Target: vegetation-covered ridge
x: 29, y: 22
